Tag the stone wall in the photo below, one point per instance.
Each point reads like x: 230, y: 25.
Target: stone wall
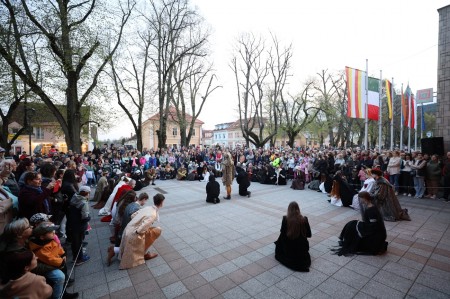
x: 443, y: 77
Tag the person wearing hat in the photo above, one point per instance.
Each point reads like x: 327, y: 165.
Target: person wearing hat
x: 77, y: 219
x: 383, y: 196
x: 52, y: 256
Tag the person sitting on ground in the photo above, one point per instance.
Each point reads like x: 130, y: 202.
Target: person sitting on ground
x: 298, y: 183
x: 242, y: 180
x: 292, y: 246
x: 126, y: 213
x: 150, y: 176
x: 140, y: 234
x: 212, y: 190
x: 181, y: 173
x: 367, y: 236
x: 19, y: 282
x: 368, y: 185
x: 383, y: 196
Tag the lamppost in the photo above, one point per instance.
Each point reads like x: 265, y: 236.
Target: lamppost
x: 29, y: 113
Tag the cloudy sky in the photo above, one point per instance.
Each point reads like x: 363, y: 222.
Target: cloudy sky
x: 398, y: 37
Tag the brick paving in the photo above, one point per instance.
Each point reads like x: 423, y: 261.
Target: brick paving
x: 227, y: 251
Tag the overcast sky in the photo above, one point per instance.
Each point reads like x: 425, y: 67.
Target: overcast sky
x: 399, y: 37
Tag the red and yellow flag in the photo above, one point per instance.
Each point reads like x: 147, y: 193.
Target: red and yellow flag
x: 389, y: 97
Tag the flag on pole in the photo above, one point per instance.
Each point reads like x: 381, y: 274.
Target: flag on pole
x: 405, y: 106
x: 356, y: 91
x: 389, y: 97
x: 356, y: 94
x: 373, y: 108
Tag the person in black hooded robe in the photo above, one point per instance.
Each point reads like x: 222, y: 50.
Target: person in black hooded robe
x: 242, y: 180
x: 346, y: 191
x: 367, y: 236
x: 212, y: 190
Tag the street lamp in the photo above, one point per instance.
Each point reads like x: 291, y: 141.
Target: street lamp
x: 29, y: 113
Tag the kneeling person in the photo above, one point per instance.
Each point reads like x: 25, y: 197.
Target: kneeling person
x: 140, y: 234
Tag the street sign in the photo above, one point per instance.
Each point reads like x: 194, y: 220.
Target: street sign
x: 424, y: 96
x: 429, y: 134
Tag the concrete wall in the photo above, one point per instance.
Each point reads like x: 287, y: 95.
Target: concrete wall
x: 443, y: 80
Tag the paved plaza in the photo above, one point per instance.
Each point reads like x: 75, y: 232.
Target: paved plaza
x: 227, y: 251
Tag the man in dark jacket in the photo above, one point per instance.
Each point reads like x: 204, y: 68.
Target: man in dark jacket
x: 212, y: 190
x: 78, y: 218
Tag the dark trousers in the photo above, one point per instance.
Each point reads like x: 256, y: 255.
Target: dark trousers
x: 446, y: 187
x: 77, y: 241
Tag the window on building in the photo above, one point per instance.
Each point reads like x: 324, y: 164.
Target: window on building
x: 223, y: 135
x: 175, y: 131
x: 193, y: 132
x: 14, y: 130
x: 38, y: 133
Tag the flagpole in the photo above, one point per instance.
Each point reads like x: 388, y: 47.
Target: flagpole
x: 366, y: 123
x: 421, y: 120
x: 380, y: 118
x: 401, y: 120
x: 415, y: 125
x: 409, y: 119
x: 392, y: 115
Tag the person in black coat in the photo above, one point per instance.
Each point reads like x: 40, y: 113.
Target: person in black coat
x: 367, y: 236
x: 212, y: 190
x: 346, y: 191
x: 242, y: 180
x: 292, y: 246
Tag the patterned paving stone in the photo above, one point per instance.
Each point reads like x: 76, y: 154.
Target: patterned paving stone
x: 227, y: 251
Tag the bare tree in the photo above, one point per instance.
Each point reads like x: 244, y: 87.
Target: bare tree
x: 194, y: 83
x: 250, y: 65
x: 173, y: 22
x: 131, y: 87
x: 69, y: 41
x: 297, y: 113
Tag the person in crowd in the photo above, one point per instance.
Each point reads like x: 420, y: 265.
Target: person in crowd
x: 101, y: 186
x: 446, y: 174
x: 106, y: 210
x: 393, y: 168
x: 32, y: 198
x: 367, y: 236
x: 19, y: 281
x: 25, y: 166
x: 181, y: 173
x: 299, y: 181
x: 78, y: 219
x: 139, y: 235
x: 6, y: 209
x: 242, y: 180
x: 419, y: 168
x: 384, y: 198
x: 228, y: 171
x: 406, y: 175
x: 341, y: 190
x: 150, y: 176
x: 292, y: 246
x: 52, y: 256
x: 8, y: 167
x: 212, y: 190
x: 367, y: 187
x: 433, y: 176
